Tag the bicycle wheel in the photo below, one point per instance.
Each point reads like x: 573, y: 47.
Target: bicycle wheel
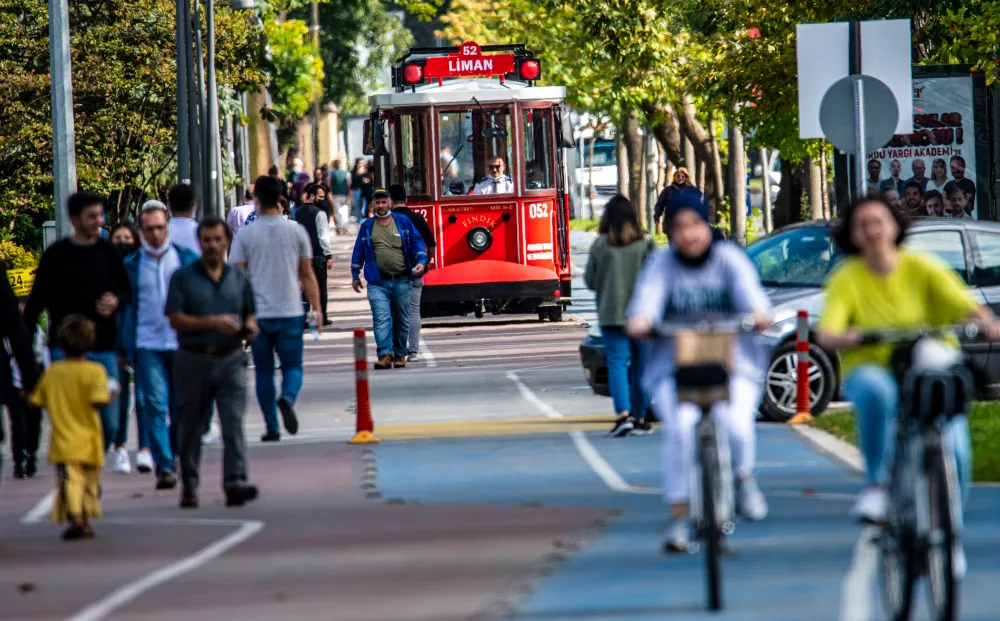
x: 710, y: 531
x: 897, y: 541
x: 942, y: 488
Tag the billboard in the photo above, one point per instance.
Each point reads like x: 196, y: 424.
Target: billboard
x: 933, y: 171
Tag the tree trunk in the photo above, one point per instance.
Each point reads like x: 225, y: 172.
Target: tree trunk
x: 737, y: 184
x: 590, y: 176
x: 788, y: 207
x: 622, y: 158
x: 633, y: 150
x: 663, y: 121
x: 690, y: 161
x: 822, y: 173
x: 815, y: 188
x: 700, y: 174
x: 717, y: 185
x: 705, y: 149
x: 765, y: 207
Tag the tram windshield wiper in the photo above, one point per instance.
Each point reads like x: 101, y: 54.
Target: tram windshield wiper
x: 493, y: 131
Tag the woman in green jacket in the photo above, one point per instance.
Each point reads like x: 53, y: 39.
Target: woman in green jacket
x: 616, y: 258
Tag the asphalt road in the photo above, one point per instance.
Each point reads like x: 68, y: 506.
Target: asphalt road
x: 539, y: 517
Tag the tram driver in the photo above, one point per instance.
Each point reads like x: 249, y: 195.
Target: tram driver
x: 497, y: 182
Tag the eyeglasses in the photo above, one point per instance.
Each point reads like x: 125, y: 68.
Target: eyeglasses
x: 496, y: 166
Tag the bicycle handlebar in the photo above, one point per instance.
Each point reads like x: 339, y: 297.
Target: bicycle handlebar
x: 733, y: 324
x: 902, y: 335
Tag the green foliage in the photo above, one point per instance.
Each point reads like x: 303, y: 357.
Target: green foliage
x: 295, y: 67
x: 14, y: 256
x: 124, y: 81
x: 347, y: 28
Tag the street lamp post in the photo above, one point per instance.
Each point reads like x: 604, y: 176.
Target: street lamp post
x: 63, y: 130
x: 183, y: 143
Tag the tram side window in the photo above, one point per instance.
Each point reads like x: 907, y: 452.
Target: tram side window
x: 537, y: 137
x: 413, y: 173
x: 475, y: 152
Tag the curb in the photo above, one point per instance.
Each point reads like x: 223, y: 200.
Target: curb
x: 829, y: 444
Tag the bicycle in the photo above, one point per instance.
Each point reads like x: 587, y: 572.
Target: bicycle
x: 924, y: 517
x: 703, y: 352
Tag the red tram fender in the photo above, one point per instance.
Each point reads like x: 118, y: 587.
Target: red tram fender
x: 489, y: 271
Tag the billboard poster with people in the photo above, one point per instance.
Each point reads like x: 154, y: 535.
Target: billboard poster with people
x: 932, y: 171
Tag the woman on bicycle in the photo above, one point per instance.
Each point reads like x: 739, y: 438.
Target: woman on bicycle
x: 882, y: 286
x: 700, y: 276
x: 615, y: 259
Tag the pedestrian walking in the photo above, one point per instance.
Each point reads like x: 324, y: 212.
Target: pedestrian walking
x: 340, y: 188
x: 83, y: 275
x: 314, y: 220
x: 149, y: 342
x: 211, y: 307
x: 16, y: 350
x: 398, y: 195
x: 391, y: 253
x: 357, y: 182
x: 70, y: 391
x: 125, y: 239
x: 238, y: 215
x: 681, y: 183
x: 183, y: 225
x: 277, y: 256
x: 616, y: 258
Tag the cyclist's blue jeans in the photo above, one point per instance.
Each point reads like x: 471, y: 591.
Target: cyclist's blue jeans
x: 875, y: 394
x: 624, y: 360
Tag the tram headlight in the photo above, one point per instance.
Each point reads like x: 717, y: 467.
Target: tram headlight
x: 530, y: 69
x: 412, y: 74
x: 479, y: 239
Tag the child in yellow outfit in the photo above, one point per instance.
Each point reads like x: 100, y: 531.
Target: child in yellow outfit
x: 71, y: 391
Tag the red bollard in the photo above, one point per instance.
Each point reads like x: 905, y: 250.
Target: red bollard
x: 365, y: 424
x: 802, y: 410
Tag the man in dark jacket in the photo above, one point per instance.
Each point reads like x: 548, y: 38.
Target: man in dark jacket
x: 681, y: 184
x: 13, y: 330
x: 317, y: 225
x: 398, y: 195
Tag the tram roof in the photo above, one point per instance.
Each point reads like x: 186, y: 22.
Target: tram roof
x: 462, y: 91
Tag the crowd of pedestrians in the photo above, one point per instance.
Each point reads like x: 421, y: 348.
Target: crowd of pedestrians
x: 169, y: 304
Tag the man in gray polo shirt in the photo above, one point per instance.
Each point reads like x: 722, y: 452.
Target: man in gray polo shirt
x: 211, y: 306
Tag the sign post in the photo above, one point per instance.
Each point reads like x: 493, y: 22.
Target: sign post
x: 857, y: 102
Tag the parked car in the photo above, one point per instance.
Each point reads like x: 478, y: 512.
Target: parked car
x: 794, y: 261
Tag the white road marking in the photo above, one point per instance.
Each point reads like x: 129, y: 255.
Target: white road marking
x: 591, y: 455
x: 833, y: 446
x: 425, y: 351
x: 41, y: 510
x: 856, y: 589
x: 133, y: 590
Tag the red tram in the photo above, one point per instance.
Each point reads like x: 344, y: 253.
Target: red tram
x: 480, y: 151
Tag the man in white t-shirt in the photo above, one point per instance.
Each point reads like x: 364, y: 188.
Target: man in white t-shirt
x: 183, y: 226
x: 238, y: 215
x: 277, y: 255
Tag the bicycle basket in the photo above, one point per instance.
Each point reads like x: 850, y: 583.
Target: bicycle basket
x: 702, y: 360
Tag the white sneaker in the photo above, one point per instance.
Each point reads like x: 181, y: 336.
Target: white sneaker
x: 144, y: 462
x: 122, y: 463
x: 678, y: 537
x: 958, y: 564
x: 871, y: 505
x: 213, y: 434
x: 753, y: 505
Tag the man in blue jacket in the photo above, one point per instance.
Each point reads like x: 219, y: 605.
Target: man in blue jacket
x: 150, y: 344
x: 391, y: 252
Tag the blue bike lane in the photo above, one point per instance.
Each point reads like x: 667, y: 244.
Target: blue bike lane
x: 792, y: 566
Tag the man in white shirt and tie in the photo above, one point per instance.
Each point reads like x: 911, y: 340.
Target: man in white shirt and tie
x: 497, y: 182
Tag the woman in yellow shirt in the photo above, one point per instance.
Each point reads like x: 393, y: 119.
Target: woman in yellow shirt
x: 882, y: 286
x: 71, y: 391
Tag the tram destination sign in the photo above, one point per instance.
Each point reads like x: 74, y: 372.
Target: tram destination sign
x: 469, y: 62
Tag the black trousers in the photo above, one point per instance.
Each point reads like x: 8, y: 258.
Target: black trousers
x: 25, y: 427
x: 319, y: 268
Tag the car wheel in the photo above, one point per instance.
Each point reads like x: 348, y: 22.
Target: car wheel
x: 779, y: 403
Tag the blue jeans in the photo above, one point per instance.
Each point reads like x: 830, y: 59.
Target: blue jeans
x: 124, y: 405
x: 875, y: 394
x: 154, y: 387
x: 624, y: 359
x: 359, y: 205
x: 390, y: 302
x: 109, y: 413
x: 284, y: 336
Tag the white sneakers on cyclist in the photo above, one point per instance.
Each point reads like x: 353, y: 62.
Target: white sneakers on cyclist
x: 753, y: 506
x: 122, y: 463
x: 871, y: 505
x: 678, y: 536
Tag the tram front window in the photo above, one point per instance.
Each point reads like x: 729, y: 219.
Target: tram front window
x: 412, y: 141
x: 475, y: 152
x: 537, y: 140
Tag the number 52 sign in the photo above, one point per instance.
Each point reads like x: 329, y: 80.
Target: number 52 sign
x: 21, y: 280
